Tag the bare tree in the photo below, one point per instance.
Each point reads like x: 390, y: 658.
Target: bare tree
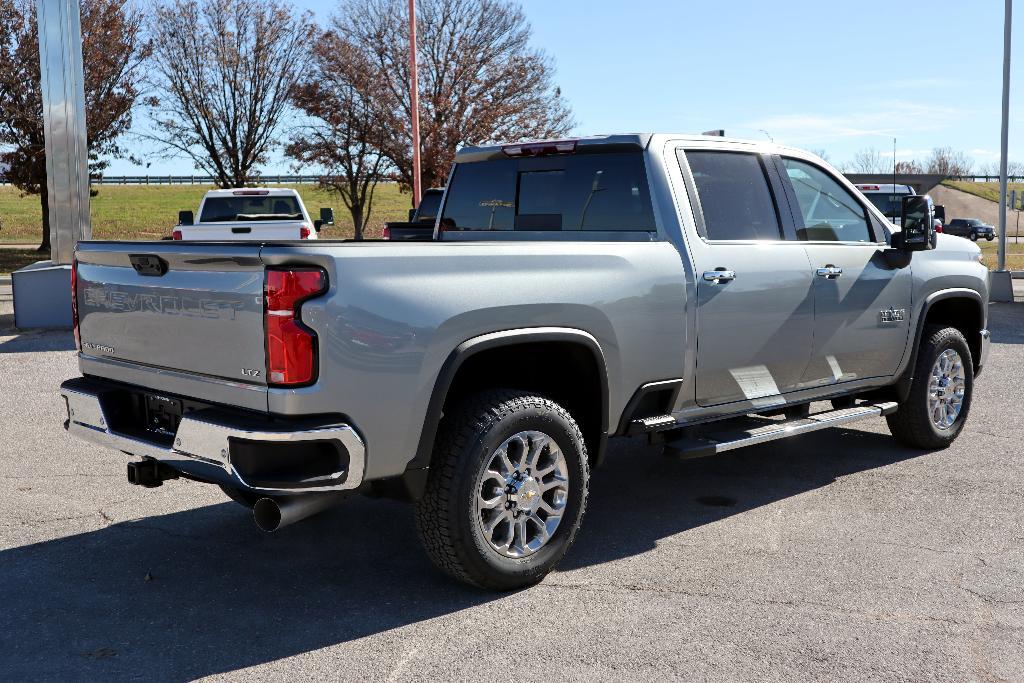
x: 868, y: 160
x: 479, y: 78
x: 821, y: 152
x: 223, y: 71
x: 112, y: 52
x: 909, y: 166
x: 348, y: 124
x: 949, y: 162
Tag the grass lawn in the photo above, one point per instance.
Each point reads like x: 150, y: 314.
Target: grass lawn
x: 13, y: 259
x: 1014, y: 254
x: 148, y: 212
x: 989, y: 191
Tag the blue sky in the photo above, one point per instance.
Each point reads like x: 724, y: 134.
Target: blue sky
x: 838, y: 76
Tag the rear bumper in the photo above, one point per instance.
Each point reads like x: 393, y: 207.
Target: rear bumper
x: 207, y: 439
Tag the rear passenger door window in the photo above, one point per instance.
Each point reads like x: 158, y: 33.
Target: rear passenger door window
x: 830, y: 213
x: 735, y: 198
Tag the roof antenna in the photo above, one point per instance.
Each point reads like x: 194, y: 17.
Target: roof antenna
x: 894, y: 176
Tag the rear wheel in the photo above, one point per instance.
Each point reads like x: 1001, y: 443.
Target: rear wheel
x: 974, y: 237
x: 506, y: 490
x: 940, y: 396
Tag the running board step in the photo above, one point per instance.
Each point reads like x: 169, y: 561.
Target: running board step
x: 707, y: 441
x: 646, y: 425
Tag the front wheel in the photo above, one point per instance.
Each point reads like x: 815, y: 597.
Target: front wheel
x: 940, y: 396
x: 974, y: 237
x: 990, y: 237
x: 506, y: 491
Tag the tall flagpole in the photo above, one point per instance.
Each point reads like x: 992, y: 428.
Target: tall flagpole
x: 414, y: 103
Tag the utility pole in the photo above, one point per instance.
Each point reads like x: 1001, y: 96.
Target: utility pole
x: 1002, y: 283
x: 414, y: 103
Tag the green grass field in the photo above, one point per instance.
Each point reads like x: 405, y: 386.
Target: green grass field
x: 149, y: 212
x: 989, y: 191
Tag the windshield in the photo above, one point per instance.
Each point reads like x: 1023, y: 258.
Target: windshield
x: 250, y: 208
x: 889, y: 204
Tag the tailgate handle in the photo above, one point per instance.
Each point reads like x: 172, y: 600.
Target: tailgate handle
x: 241, y: 231
x: 147, y: 264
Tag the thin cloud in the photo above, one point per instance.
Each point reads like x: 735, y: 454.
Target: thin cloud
x: 896, y: 119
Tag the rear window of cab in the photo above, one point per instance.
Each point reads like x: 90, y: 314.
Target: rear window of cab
x: 579, y: 192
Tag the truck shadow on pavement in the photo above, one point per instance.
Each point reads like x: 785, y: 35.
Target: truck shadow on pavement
x: 201, y: 592
x: 36, y: 341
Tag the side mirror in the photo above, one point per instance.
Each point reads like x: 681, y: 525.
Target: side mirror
x: 412, y: 215
x: 917, y: 224
x: 326, y: 218
x: 186, y: 218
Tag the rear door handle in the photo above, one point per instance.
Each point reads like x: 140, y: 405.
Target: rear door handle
x: 717, y: 276
x: 831, y: 272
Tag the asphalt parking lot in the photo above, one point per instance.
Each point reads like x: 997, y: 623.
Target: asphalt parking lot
x: 836, y: 555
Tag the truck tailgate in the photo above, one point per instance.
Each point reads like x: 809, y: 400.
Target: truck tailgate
x: 194, y: 309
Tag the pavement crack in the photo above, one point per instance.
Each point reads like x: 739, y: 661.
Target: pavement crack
x: 989, y: 599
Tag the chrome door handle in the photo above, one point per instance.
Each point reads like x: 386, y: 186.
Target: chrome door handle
x: 717, y: 276
x: 830, y: 272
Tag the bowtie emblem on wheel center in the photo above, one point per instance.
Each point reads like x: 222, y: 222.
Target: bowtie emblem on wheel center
x: 526, y: 494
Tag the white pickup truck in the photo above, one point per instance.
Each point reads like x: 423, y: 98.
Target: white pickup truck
x: 249, y: 214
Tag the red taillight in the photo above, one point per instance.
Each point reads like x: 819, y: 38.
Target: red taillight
x: 304, y: 232
x: 74, y: 303
x: 385, y: 234
x: 291, y: 346
x: 176, y: 235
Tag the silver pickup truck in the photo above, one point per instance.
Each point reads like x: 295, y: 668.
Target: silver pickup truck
x: 702, y: 293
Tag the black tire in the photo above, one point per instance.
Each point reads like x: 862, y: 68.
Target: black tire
x: 990, y: 237
x: 912, y: 424
x: 447, y: 517
x: 240, y: 497
x: 974, y: 237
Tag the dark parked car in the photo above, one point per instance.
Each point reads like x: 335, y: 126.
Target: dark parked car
x: 971, y: 228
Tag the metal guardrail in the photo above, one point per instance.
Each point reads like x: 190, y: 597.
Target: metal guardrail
x: 193, y: 180
x: 986, y: 178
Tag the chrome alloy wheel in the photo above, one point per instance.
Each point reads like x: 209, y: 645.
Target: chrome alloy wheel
x: 522, y: 492
x: 946, y: 389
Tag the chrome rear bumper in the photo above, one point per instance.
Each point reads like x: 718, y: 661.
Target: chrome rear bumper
x: 202, y: 445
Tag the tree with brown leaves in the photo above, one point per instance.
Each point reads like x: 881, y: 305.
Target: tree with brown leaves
x: 348, y: 124
x: 479, y: 78
x: 222, y: 72
x: 112, y: 53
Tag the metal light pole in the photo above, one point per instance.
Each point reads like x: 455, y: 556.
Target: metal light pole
x: 1004, y: 140
x: 1002, y: 284
x: 414, y: 103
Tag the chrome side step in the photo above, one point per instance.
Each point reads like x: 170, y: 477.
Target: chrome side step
x: 705, y: 440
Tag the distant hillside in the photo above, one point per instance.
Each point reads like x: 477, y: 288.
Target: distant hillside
x: 960, y: 203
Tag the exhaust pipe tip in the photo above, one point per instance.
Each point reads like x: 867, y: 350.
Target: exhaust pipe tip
x: 267, y: 514
x: 270, y: 514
